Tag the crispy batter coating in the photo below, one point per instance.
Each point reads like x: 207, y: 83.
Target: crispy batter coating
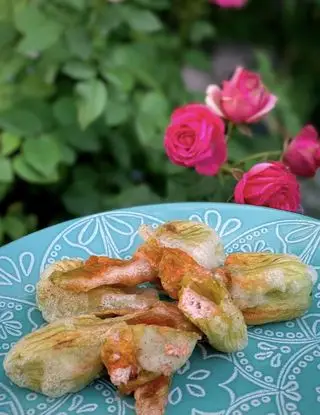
x: 163, y: 314
x: 136, y: 354
x: 60, y: 358
x: 269, y: 287
x: 99, y: 271
x: 55, y: 302
x: 196, y: 243
x: 119, y: 355
x: 174, y: 265
x: 152, y: 398
x: 207, y: 303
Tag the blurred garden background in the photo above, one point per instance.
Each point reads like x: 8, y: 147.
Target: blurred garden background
x: 87, y: 87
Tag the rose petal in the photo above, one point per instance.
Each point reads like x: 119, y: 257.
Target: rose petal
x: 207, y: 167
x: 267, y: 108
x: 237, y: 75
x: 213, y: 99
x: 308, y: 132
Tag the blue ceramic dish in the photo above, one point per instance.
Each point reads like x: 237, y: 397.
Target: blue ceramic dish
x: 277, y: 374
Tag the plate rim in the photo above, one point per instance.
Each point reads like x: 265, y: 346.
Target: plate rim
x: 221, y: 205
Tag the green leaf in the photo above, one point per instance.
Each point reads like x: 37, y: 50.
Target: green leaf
x: 120, y: 77
x: 81, y: 140
x: 27, y: 17
x: 116, y: 113
x: 173, y: 169
x: 7, y: 33
x: 39, y: 31
x: 152, y: 119
x: 143, y: 20
x: 156, y: 105
x: 146, y: 131
x: 198, y: 59
x: 8, y: 95
x: 4, y: 188
x: 26, y: 172
x: 35, y: 87
x: 43, y: 154
x: 79, y: 70
x: 236, y: 150
x: 202, y: 30
x: 120, y: 150
x: 6, y: 7
x: 40, y: 38
x: 6, y: 173
x: 10, y: 68
x: 151, y: 4
x: 15, y: 227
x: 82, y: 197
x: 42, y: 110
x: 67, y: 154
x: 79, y: 42
x: 9, y: 143
x: 65, y: 111
x: 21, y: 122
x: 132, y: 196
x: 92, y: 99
x: 79, y: 5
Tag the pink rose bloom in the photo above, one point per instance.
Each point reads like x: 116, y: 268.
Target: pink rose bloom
x: 196, y: 138
x: 230, y: 3
x: 243, y: 99
x: 269, y: 184
x: 303, y: 153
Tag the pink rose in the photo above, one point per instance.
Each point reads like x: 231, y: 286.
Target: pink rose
x: 230, y: 3
x: 243, y: 99
x: 303, y: 153
x: 196, y: 138
x: 269, y: 184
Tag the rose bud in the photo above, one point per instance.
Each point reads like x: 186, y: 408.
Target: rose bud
x: 269, y: 184
x: 302, y: 155
x: 243, y: 99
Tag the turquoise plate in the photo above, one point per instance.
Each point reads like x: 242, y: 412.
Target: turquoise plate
x: 277, y: 374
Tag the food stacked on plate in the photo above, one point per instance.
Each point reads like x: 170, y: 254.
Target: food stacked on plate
x: 101, y: 319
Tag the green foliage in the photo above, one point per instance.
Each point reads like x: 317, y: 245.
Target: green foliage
x: 87, y: 88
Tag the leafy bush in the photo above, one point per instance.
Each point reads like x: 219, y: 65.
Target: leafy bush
x: 87, y: 87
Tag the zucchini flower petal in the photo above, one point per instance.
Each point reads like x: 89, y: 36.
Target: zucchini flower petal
x: 196, y: 239
x: 135, y: 355
x: 99, y: 271
x: 207, y: 303
x: 269, y: 287
x: 55, y: 302
x: 174, y: 265
x: 163, y: 314
x: 152, y: 397
x: 60, y: 358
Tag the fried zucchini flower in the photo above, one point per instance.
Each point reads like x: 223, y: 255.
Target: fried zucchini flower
x: 152, y: 397
x: 163, y: 314
x: 60, y: 358
x: 208, y: 304
x: 174, y: 265
x: 55, y: 302
x: 65, y: 356
x: 195, y: 239
x: 135, y: 355
x: 268, y: 287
